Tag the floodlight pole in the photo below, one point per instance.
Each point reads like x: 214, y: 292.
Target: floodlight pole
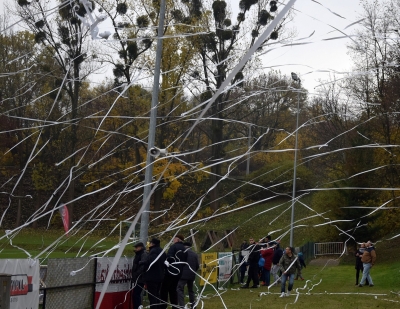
x: 295, y: 78
x: 248, y: 155
x: 144, y: 220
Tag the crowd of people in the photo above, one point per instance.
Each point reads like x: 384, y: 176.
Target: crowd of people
x: 165, y: 274
x: 266, y: 258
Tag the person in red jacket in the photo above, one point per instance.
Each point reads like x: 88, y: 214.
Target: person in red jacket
x: 267, y: 253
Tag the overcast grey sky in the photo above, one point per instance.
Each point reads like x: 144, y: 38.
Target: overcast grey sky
x: 319, y: 16
x: 320, y: 55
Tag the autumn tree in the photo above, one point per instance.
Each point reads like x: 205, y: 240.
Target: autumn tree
x: 18, y: 86
x: 376, y: 55
x: 65, y: 36
x: 217, y: 53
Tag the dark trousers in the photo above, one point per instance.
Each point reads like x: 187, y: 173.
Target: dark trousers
x: 242, y: 273
x: 153, y: 290
x: 181, y: 292
x: 168, y: 288
x: 137, y: 295
x: 266, y: 277
x: 253, y: 275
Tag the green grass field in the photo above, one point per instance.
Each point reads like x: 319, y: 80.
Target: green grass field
x: 255, y: 221
x: 53, y: 244
x: 328, y: 288
x: 259, y: 220
x: 325, y: 287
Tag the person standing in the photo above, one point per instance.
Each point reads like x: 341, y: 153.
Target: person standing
x: 302, y: 264
x: 242, y: 261
x: 359, y: 265
x: 138, y: 270
x: 154, y: 272
x: 267, y: 253
x: 252, y: 260
x: 275, y: 263
x: 288, y: 264
x: 188, y: 276
x: 368, y: 259
x: 271, y: 243
x: 176, y: 259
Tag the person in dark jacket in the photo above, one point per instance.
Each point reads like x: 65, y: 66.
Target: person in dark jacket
x: 154, y: 272
x: 252, y: 260
x: 176, y: 258
x: 188, y: 276
x: 138, y: 270
x: 270, y: 242
x: 302, y: 264
x: 359, y: 265
x: 242, y: 261
x: 275, y: 263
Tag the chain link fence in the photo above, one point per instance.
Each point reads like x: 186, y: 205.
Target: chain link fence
x: 68, y: 283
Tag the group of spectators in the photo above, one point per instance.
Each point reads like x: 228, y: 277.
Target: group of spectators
x: 165, y: 274
x: 268, y: 256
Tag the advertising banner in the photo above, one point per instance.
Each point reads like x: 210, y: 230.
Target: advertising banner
x: 24, y: 291
x: 118, y: 290
x: 209, y: 266
x: 245, y: 254
x: 224, y: 266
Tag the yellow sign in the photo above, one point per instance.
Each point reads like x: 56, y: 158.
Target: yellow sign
x: 209, y: 267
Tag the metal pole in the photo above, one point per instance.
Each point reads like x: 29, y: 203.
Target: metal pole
x: 295, y: 166
x: 95, y: 281
x: 248, y: 155
x: 144, y: 223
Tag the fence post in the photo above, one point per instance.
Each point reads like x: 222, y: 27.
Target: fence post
x: 94, y: 282
x: 44, y: 299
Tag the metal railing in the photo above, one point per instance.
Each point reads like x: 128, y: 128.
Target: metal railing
x: 329, y: 248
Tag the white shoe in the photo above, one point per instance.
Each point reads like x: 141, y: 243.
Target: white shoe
x: 288, y: 293
x: 283, y: 294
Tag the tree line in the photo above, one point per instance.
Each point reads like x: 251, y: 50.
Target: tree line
x: 68, y: 139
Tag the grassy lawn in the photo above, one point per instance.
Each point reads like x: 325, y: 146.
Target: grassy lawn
x: 274, y: 215
x: 36, y: 241
x: 328, y: 288
x: 259, y: 220
x: 324, y: 287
